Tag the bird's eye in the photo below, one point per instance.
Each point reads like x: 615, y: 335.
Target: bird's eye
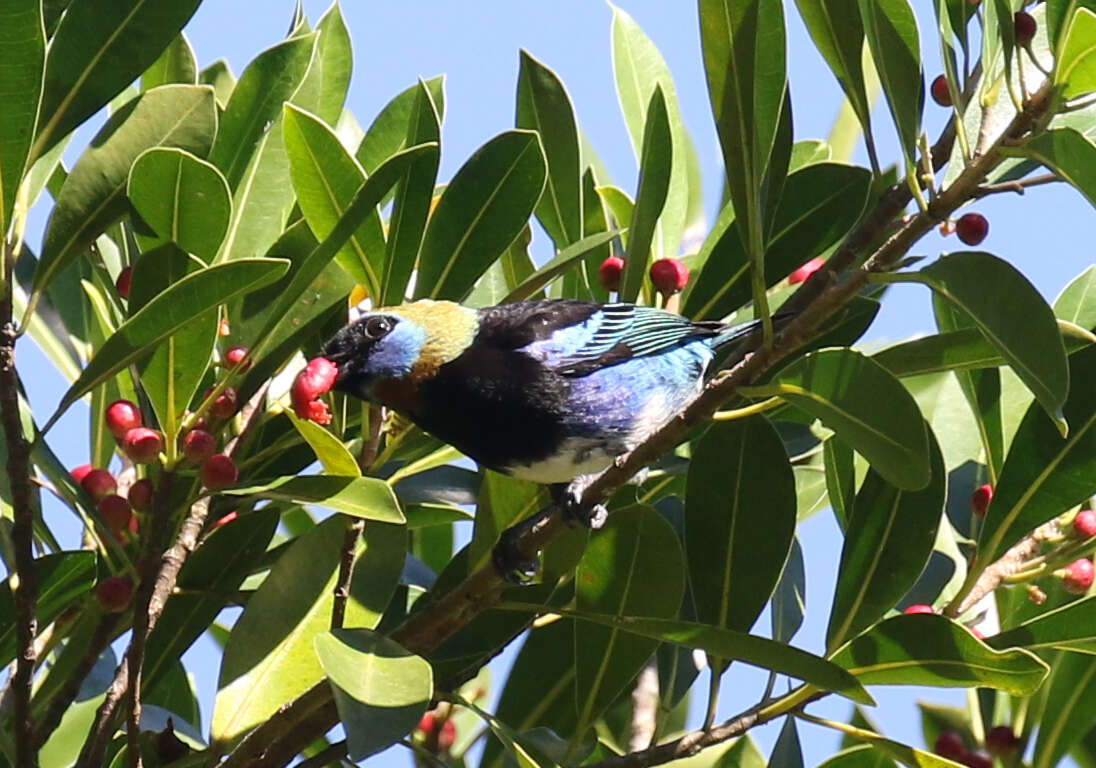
x: 377, y: 327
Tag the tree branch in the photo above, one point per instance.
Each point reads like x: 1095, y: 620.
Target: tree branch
x: 25, y: 578
x: 1017, y: 185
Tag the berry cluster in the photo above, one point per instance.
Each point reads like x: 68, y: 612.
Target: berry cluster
x: 669, y: 276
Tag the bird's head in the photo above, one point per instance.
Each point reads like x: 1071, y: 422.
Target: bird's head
x: 408, y: 342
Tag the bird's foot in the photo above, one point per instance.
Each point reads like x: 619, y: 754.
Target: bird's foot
x: 569, y: 499
x: 511, y: 563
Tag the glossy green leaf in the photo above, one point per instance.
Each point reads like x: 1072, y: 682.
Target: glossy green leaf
x: 366, y: 497
x: 566, y: 259
x: 24, y: 42
x: 595, y: 220
x: 860, y: 756
x: 868, y: 409
x: 502, y: 501
x: 329, y: 73
x: 176, y: 64
x: 482, y: 210
x: 1077, y: 301
x: 1072, y: 626
x: 840, y: 472
x: 269, y: 658
x: 414, y: 193
x: 998, y: 45
x: 838, y: 33
x: 206, y: 582
x: 634, y: 566
x: 325, y: 178
x: 923, y: 649
x: 1059, y: 14
x: 381, y: 689
x: 639, y: 69
x: 168, y: 312
x: 654, y: 182
x: 744, y: 58
x: 888, y: 540
x: 544, y: 106
x: 903, y: 753
x: 818, y: 205
x: 787, y: 751
x: 790, y: 598
x: 1069, y: 709
x: 183, y: 198
x: 891, y: 30
x: 93, y: 197
x: 96, y: 52
x: 1076, y: 63
x: 219, y: 76
x: 389, y: 131
x: 1068, y: 153
x: 330, y: 452
x: 62, y: 578
x: 1044, y: 473
x: 735, y: 556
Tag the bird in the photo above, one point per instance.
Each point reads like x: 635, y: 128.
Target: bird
x: 547, y: 390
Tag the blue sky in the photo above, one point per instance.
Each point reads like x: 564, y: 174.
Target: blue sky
x: 476, y: 45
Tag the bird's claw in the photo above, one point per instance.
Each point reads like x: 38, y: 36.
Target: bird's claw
x: 574, y: 513
x: 511, y: 563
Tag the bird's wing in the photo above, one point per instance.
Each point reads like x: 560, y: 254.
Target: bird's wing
x: 611, y: 334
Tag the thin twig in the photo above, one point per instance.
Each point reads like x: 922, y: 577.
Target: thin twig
x: 1017, y: 185
x: 22, y: 532
x: 1008, y: 564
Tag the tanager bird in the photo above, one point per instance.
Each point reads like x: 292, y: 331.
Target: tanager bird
x: 550, y: 390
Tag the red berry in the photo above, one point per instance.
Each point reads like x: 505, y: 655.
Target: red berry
x: 1001, y: 741
x: 1084, y: 525
x: 316, y: 379
x: 116, y: 513
x: 225, y: 404
x: 114, y: 594
x: 940, y: 93
x: 219, y: 471
x: 610, y: 272
x: 125, y: 277
x: 99, y: 484
x: 122, y: 416
x: 972, y: 228
x: 140, y: 495
x: 427, y: 723
x: 143, y: 445
x: 236, y: 355
x: 919, y: 608
x: 669, y: 276
x: 1024, y: 25
x: 1076, y: 577
x: 800, y: 275
x: 980, y: 499
x: 199, y: 445
x: 950, y: 744
x: 978, y: 758
x: 80, y: 472
x: 447, y: 735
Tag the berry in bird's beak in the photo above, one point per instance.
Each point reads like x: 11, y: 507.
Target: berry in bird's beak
x: 316, y: 379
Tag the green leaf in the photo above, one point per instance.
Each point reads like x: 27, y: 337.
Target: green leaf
x: 282, y: 303
x: 62, y: 578
x: 1069, y: 154
x: 634, y: 566
x: 867, y: 407
x: 790, y: 597
x: 24, y: 43
x: 923, y: 649
x: 1076, y: 63
x: 544, y: 106
x: 891, y: 29
x: 787, y: 751
x: 381, y: 690
x: 1070, y: 627
x: 269, y: 658
x: 366, y: 497
x: 96, y: 52
x: 655, y: 166
x: 330, y: 452
x: 219, y: 76
x: 1077, y: 301
x: 176, y: 64
x: 903, y: 753
x: 483, y: 209
x: 735, y: 556
x: 168, y: 312
x: 390, y: 129
x: 840, y: 472
x: 860, y: 756
x: 564, y: 260
x: 888, y: 540
x: 1044, y: 473
x: 1069, y: 709
x: 838, y: 33
x: 818, y: 205
x: 638, y: 69
x: 744, y: 58
x: 325, y: 178
x: 183, y: 198
x: 329, y: 73
x: 93, y: 197
x: 414, y: 193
